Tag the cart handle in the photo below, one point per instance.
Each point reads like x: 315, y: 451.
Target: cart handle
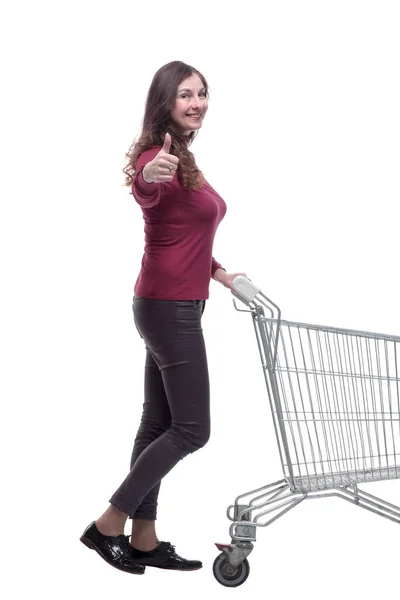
x: 244, y: 289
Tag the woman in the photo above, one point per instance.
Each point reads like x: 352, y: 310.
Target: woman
x: 181, y: 212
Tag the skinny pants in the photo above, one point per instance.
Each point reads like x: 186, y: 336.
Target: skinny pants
x: 176, y: 410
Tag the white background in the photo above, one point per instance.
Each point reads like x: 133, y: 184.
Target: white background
x: 302, y: 141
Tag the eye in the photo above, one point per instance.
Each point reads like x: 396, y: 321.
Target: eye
x: 185, y: 95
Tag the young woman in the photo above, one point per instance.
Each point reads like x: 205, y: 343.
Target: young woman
x: 181, y: 212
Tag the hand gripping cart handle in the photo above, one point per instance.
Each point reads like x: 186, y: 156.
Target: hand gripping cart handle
x: 335, y: 402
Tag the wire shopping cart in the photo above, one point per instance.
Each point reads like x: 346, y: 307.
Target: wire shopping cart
x: 335, y: 401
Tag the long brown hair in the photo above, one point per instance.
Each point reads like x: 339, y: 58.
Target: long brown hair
x: 157, y: 122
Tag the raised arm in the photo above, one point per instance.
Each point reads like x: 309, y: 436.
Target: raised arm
x: 154, y: 168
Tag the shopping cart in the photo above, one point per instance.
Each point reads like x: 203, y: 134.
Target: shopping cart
x: 335, y: 401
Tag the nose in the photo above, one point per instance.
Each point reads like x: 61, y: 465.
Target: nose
x: 196, y: 102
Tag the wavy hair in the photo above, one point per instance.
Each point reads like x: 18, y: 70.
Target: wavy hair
x: 157, y: 122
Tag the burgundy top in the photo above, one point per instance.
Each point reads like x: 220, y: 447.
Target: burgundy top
x: 180, y: 226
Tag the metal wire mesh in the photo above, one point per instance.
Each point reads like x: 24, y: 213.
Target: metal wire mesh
x: 335, y: 398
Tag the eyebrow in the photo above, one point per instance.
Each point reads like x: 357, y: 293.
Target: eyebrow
x: 188, y: 90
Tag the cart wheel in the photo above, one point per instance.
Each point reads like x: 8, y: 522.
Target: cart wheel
x: 227, y: 575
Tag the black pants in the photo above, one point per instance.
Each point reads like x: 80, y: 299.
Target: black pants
x: 176, y: 410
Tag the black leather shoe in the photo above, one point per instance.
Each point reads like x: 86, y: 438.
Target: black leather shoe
x: 164, y: 557
x: 116, y: 550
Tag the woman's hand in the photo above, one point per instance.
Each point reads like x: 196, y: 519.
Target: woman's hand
x: 226, y: 278
x: 163, y: 166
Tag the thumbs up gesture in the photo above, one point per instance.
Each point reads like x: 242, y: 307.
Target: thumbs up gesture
x: 162, y: 168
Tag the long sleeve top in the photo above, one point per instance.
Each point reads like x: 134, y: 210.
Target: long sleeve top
x: 179, y: 226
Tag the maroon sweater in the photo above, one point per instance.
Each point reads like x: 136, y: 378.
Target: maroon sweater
x: 180, y: 226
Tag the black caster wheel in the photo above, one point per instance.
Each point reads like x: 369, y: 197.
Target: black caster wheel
x: 227, y: 575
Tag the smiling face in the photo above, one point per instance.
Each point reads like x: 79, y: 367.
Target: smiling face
x: 190, y: 106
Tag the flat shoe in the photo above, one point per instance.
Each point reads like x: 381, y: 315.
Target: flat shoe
x: 115, y: 550
x: 164, y: 557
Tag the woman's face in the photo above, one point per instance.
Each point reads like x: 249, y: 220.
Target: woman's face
x: 190, y: 105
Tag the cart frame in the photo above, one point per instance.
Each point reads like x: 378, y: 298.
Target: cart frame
x: 335, y: 400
